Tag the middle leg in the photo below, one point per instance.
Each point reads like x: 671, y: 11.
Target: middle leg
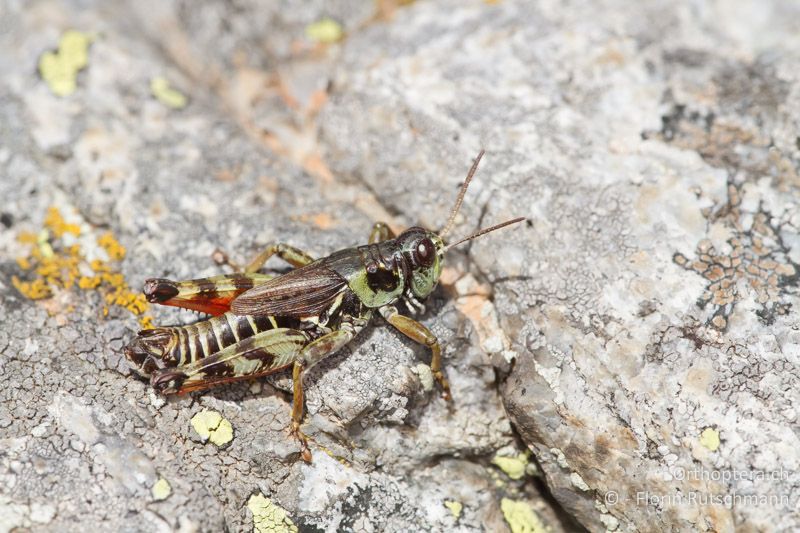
x: 419, y: 333
x: 380, y: 232
x: 294, y: 256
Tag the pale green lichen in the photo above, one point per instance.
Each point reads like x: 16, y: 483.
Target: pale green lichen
x: 514, y: 467
x: 167, y: 95
x: 211, y: 426
x: 455, y: 508
x: 161, y: 490
x: 578, y: 481
x: 425, y: 375
x: 521, y: 517
x: 268, y: 517
x: 59, y: 69
x: 710, y: 439
x: 325, y: 31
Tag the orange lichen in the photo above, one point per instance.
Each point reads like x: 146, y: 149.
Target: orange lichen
x: 35, y: 290
x: 53, y: 266
x: 88, y: 283
x: 113, y: 248
x: 56, y: 223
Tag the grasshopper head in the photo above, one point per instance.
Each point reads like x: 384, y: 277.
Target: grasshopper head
x: 424, y: 253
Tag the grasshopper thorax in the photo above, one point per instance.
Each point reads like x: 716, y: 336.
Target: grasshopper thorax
x: 406, y: 266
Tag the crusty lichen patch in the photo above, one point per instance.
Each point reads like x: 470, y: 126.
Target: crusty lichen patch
x: 425, y: 376
x: 757, y: 262
x: 455, y: 508
x: 210, y: 425
x: 60, y: 69
x: 709, y: 438
x: 166, y: 94
x: 521, y: 517
x: 325, y: 31
x: 57, y: 261
x: 514, y: 467
x: 268, y: 517
x: 161, y: 490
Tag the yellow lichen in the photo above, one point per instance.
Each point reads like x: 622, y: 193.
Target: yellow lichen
x: 709, y: 438
x: 325, y: 31
x: 521, y: 517
x: 165, y: 94
x: 60, y: 69
x: 455, y: 508
x: 514, y: 467
x: 211, y: 426
x: 53, y: 265
x: 268, y: 517
x: 161, y: 490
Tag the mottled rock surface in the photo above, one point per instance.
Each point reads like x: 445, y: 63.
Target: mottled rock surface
x: 640, y: 336
x: 237, y: 165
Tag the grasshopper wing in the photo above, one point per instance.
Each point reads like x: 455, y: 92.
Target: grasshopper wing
x: 306, y: 291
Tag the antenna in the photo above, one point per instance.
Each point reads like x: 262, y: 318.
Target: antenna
x: 485, y: 231
x: 461, y: 194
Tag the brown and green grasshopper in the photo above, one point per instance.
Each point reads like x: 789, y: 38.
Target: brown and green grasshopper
x: 262, y: 324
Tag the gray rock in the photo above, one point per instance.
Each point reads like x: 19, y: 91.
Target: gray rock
x: 84, y: 442
x: 640, y: 334
x: 652, y: 303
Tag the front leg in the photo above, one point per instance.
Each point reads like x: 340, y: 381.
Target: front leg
x: 419, y: 333
x: 290, y: 254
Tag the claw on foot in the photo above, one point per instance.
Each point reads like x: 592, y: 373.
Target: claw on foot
x: 444, y: 384
x: 305, y: 452
x: 222, y: 259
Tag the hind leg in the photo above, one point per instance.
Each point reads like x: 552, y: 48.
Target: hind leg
x: 315, y: 352
x: 208, y: 295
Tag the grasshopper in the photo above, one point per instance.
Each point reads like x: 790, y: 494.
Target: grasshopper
x: 262, y: 324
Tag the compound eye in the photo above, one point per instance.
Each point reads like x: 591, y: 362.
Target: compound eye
x: 425, y: 252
